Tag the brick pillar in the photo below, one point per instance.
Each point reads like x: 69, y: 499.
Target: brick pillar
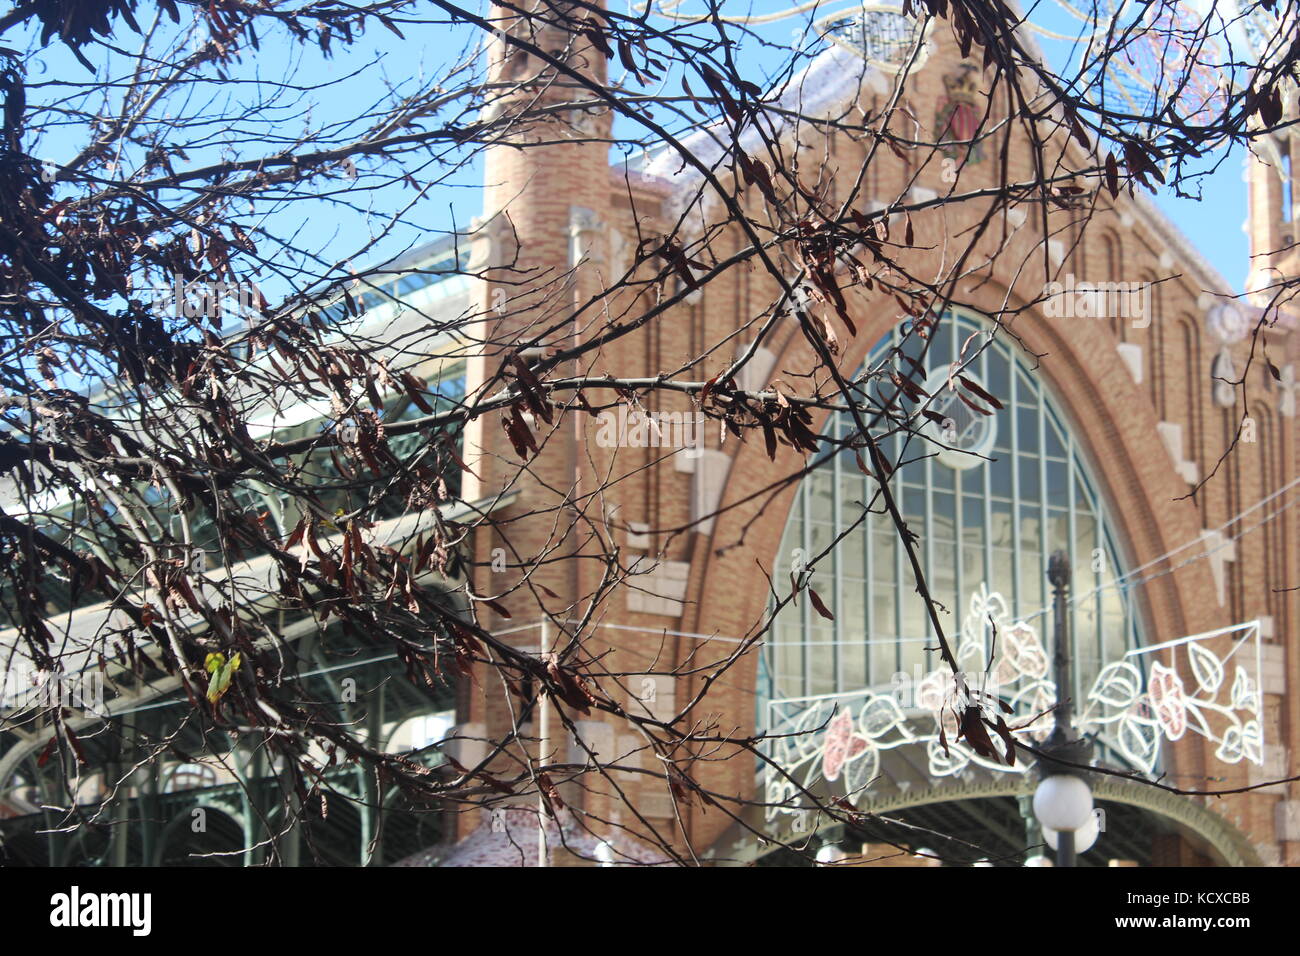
x: 542, y: 227
x: 1273, y: 207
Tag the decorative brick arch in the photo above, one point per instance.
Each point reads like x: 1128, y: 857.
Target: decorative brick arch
x: 1113, y: 420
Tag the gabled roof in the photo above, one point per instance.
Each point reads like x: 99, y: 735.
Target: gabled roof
x: 829, y: 83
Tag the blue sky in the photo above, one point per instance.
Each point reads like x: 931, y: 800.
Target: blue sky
x: 1213, y: 223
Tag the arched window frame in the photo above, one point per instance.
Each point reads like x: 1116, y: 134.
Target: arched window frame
x: 809, y: 657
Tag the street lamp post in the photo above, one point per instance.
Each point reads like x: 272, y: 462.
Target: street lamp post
x: 1058, y: 573
x: 1062, y: 801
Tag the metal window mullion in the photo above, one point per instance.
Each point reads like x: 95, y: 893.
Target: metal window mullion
x: 1017, y: 597
x: 958, y: 508
x: 869, y: 584
x: 987, y: 470
x: 805, y: 615
x: 837, y: 566
x: 899, y: 636
x: 929, y: 564
x: 1073, y: 534
x: 1098, y: 577
x: 1043, y: 539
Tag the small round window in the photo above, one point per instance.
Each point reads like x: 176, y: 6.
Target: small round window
x: 965, y: 435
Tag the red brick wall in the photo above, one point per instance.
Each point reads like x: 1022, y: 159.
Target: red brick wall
x: 1113, y: 417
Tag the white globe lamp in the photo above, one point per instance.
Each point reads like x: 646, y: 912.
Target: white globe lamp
x: 1063, y: 802
x: 1084, y: 837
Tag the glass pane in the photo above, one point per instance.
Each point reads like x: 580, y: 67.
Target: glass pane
x: 997, y: 376
x: 1085, y: 543
x: 1000, y: 474
x: 789, y: 661
x: 852, y: 490
x: 853, y: 654
x: 1033, y: 582
x: 851, y: 557
x: 851, y: 616
x: 915, y: 619
x: 1000, y: 528
x: 882, y: 639
x: 942, y: 477
x: 1112, y: 623
x: 1003, y: 581
x: 821, y: 658
x: 1030, y: 482
x: 820, y: 535
x: 912, y: 649
x: 1027, y: 429
x: 820, y: 499
x: 913, y: 503
x: 943, y: 574
x: 852, y: 612
x: 944, y: 516
x: 1058, y: 484
x: 882, y: 559
x: 1055, y: 447
x: 1058, y: 531
x: 912, y: 347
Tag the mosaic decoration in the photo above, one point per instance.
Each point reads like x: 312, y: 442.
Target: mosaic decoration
x: 958, y: 113
x: 834, y: 744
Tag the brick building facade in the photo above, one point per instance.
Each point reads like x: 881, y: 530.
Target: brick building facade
x: 1146, y: 417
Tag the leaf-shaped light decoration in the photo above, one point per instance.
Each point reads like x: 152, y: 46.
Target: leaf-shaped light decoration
x: 1243, y: 691
x: 972, y: 655
x: 1198, y: 719
x: 1117, y: 685
x: 1230, y: 748
x: 1033, y: 701
x: 949, y: 764
x: 1206, y: 667
x: 879, y: 715
x: 1252, y: 742
x: 807, y: 722
x: 862, y: 771
x: 1137, y: 742
x: 984, y: 606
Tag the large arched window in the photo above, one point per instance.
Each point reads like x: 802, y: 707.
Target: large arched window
x: 985, y: 527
